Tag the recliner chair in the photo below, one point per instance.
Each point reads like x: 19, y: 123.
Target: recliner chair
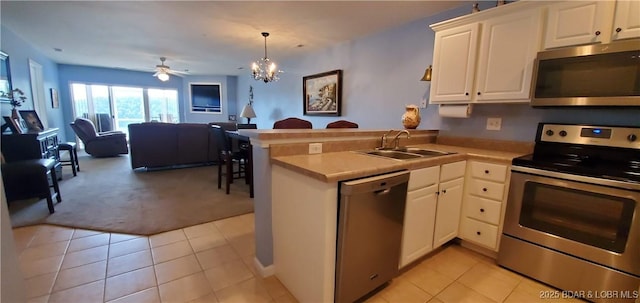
x: 105, y: 144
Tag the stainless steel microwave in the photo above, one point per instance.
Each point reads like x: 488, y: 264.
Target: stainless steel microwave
x: 590, y: 75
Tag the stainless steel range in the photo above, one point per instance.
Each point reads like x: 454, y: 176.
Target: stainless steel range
x: 573, y: 213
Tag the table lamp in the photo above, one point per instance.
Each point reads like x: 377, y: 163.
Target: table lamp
x: 247, y: 112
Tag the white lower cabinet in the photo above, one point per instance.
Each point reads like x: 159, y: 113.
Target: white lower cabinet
x: 432, y: 209
x: 448, y: 211
x: 420, y: 213
x: 483, y: 203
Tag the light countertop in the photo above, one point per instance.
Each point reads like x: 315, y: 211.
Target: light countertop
x: 339, y: 166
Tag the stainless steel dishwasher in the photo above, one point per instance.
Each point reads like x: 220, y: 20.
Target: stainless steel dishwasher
x: 370, y: 218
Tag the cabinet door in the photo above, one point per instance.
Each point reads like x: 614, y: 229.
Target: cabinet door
x: 454, y: 61
x: 508, y: 48
x: 578, y: 22
x: 419, y: 217
x: 448, y: 211
x: 626, y: 23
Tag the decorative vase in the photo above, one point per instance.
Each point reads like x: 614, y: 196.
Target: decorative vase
x: 411, y: 117
x: 14, y: 114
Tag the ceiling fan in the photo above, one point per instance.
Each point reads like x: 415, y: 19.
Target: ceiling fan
x: 163, y: 71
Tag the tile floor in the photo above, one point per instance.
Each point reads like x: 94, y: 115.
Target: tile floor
x: 212, y: 262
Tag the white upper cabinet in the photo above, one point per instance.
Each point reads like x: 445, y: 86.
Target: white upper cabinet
x: 508, y: 49
x: 487, y: 60
x: 578, y: 22
x: 626, y: 23
x: 454, y: 61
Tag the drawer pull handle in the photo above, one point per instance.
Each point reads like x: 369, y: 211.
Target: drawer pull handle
x: 478, y: 233
x: 486, y: 171
x: 484, y: 189
x: 482, y: 210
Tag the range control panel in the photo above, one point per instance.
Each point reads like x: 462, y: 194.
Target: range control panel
x: 613, y: 136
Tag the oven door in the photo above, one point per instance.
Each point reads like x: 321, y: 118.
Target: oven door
x: 576, y: 215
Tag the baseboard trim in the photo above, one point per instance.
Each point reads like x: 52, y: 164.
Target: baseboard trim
x: 479, y: 249
x: 264, y: 271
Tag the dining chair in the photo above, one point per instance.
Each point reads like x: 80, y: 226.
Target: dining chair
x: 292, y: 123
x: 342, y: 124
x: 235, y: 162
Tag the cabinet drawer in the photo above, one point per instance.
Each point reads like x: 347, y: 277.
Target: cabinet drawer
x: 423, y: 177
x: 483, y: 209
x: 489, y: 171
x: 486, y: 189
x: 452, y: 171
x: 479, y: 232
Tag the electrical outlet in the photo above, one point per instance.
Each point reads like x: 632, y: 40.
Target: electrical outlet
x: 494, y: 123
x: 423, y: 103
x: 315, y: 148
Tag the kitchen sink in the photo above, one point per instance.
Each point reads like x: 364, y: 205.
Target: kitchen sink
x: 393, y: 154
x: 406, y: 153
x: 423, y: 152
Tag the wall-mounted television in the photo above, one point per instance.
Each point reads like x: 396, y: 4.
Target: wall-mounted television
x: 206, y: 97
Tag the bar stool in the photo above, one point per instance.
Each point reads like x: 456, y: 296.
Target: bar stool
x: 29, y: 179
x: 73, y: 156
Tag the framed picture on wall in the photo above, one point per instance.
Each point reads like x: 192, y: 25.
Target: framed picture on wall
x: 5, y: 77
x: 322, y: 93
x: 55, y: 103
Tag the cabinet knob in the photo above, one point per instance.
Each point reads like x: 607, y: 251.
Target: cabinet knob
x: 484, y: 189
x: 618, y: 29
x: 478, y: 233
x: 486, y: 171
x: 444, y: 191
x: 597, y: 33
x: 478, y: 93
x: 482, y: 210
x: 466, y: 94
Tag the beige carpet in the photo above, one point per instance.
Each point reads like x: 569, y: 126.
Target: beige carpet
x: 107, y: 195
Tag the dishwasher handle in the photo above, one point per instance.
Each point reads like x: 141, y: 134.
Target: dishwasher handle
x: 382, y: 192
x: 376, y: 184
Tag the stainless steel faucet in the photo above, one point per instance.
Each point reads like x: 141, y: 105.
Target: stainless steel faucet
x: 383, y: 144
x: 396, y: 139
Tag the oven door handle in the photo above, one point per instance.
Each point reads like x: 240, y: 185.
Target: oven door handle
x: 578, y: 178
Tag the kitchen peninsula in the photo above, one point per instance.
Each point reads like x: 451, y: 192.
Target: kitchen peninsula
x: 296, y: 194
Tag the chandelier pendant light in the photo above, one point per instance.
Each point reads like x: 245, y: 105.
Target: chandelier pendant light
x: 264, y: 69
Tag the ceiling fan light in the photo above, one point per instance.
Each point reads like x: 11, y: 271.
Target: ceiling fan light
x: 163, y: 76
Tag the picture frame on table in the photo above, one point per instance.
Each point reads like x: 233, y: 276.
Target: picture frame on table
x: 322, y: 93
x: 32, y: 120
x: 12, y: 124
x: 55, y: 102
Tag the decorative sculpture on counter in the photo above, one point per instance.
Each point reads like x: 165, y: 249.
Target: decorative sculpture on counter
x: 411, y: 117
x: 475, y: 8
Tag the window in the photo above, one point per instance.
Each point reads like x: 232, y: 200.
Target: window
x: 206, y: 98
x: 115, y: 107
